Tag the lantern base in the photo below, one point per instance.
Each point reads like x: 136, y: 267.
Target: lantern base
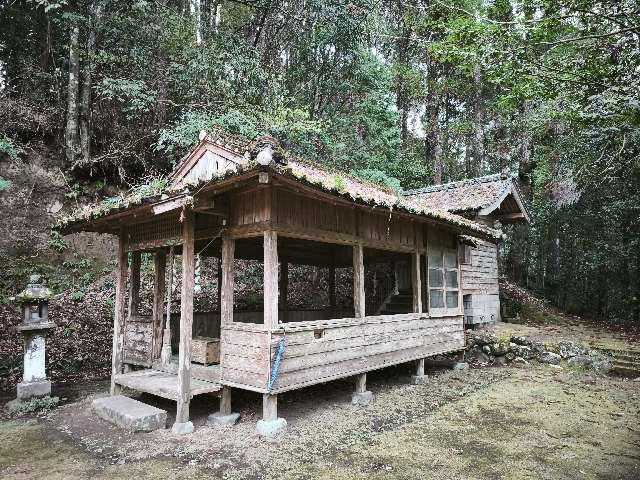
x: 28, y: 390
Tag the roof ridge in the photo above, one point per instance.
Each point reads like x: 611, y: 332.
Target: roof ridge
x: 458, y: 183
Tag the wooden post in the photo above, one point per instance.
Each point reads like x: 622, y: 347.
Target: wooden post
x: 332, y: 290
x: 361, y: 383
x: 420, y: 367
x: 220, y: 286
x: 269, y: 407
x: 226, y: 302
x: 134, y: 283
x: 358, y: 281
x: 270, y: 280
x: 165, y: 353
x: 416, y: 282
x: 186, y: 317
x: 284, y: 289
x: 119, y: 315
x: 159, y: 266
x: 225, y: 401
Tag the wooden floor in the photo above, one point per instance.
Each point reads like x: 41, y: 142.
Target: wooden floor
x: 163, y: 384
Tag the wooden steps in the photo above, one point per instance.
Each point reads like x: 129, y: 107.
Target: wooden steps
x: 625, y: 363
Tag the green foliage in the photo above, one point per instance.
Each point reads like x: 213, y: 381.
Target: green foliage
x: 9, y: 148
x: 34, y: 404
x: 379, y: 177
x: 57, y: 241
x: 4, y: 184
x: 338, y: 183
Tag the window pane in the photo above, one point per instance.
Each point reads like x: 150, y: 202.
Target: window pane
x: 450, y: 260
x: 452, y: 299
x: 435, y: 260
x: 435, y: 278
x: 452, y: 278
x: 436, y: 299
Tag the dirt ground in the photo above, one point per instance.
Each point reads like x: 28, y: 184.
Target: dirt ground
x: 533, y: 422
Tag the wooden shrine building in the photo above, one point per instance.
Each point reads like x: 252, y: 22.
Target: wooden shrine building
x: 233, y: 198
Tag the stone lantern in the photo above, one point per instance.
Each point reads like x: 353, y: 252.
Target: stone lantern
x: 35, y: 326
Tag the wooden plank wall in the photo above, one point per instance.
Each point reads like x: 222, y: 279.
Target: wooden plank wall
x: 481, y: 276
x: 293, y: 213
x: 317, y: 353
x: 244, y: 357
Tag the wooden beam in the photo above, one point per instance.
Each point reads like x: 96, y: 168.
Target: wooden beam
x: 416, y: 282
x: 270, y: 296
x: 186, y: 317
x: 159, y: 267
x: 226, y: 299
x: 119, y: 315
x: 358, y: 281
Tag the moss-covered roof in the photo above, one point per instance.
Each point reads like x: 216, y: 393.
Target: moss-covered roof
x: 286, y: 164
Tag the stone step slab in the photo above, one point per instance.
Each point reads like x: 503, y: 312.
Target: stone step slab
x: 131, y: 414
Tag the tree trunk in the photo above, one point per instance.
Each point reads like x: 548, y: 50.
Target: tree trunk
x: 71, y: 130
x: 95, y: 11
x: 194, y: 9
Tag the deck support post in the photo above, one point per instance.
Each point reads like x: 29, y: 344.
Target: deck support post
x: 119, y: 315
x: 183, y: 425
x: 270, y: 280
x: 224, y: 416
x: 416, y: 282
x: 361, y: 396
x: 270, y: 425
x: 358, y: 281
x: 159, y: 266
x: 419, y: 378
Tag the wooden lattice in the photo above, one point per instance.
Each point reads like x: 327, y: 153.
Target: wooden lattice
x: 161, y: 231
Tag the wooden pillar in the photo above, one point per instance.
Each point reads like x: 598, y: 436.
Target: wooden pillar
x: 269, y: 407
x: 134, y: 283
x: 226, y: 297
x: 119, y: 315
x: 159, y: 266
x: 220, y: 286
x: 361, y: 383
x: 186, y: 317
x: 416, y: 282
x: 284, y: 290
x: 165, y: 353
x: 270, y: 280
x: 225, y: 401
x: 332, y: 290
x: 358, y: 281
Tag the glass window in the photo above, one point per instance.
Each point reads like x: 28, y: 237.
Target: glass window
x: 435, y: 278
x: 452, y: 298
x: 443, y: 279
x: 436, y: 299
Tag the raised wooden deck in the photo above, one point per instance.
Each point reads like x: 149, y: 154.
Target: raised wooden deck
x: 163, y: 384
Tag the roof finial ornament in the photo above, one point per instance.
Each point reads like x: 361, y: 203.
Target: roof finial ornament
x: 267, y: 150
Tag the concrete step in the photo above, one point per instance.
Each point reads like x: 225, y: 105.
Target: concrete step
x: 131, y: 414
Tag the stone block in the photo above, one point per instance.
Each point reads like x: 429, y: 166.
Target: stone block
x: 220, y: 419
x: 362, y: 398
x: 419, y: 379
x: 271, y: 428
x: 182, y: 428
x: 27, y: 390
x: 131, y: 414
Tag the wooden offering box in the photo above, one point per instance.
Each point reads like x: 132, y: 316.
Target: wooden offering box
x: 205, y: 350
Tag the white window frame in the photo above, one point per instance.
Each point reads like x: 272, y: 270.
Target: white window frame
x: 443, y: 311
